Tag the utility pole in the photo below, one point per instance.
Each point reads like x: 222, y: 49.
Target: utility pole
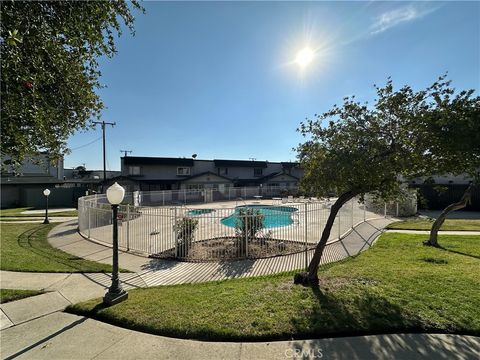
x: 103, y: 123
x: 126, y: 152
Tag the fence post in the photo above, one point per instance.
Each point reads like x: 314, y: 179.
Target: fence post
x: 364, y: 210
x: 352, y: 211
x: 246, y: 235
x: 385, y: 210
x: 306, y: 247
x: 88, y: 214
x: 397, y: 210
x: 244, y: 193
x: 128, y: 227
x: 184, y: 196
x: 163, y: 197
x: 339, y: 227
x: 175, y: 232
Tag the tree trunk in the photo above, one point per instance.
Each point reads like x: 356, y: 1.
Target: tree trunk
x: 464, y: 201
x: 311, y: 277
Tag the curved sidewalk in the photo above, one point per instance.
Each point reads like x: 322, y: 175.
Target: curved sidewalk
x: 67, y: 336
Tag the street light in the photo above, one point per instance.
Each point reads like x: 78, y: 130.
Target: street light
x: 46, y: 192
x: 115, y: 293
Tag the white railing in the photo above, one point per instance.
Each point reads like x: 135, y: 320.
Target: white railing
x: 203, y: 227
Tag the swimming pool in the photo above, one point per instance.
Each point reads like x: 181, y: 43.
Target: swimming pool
x: 196, y: 212
x: 274, y: 216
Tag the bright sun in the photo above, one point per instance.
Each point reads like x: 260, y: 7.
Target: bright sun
x: 304, y: 57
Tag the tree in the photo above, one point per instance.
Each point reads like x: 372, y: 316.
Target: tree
x: 50, y: 70
x: 452, y: 122
x: 362, y: 150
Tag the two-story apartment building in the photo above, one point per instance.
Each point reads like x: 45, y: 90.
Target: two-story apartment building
x: 162, y: 173
x: 23, y: 184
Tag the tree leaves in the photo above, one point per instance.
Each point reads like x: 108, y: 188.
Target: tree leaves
x: 50, y: 70
x: 407, y: 133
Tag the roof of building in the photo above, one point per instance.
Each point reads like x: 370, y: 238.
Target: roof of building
x: 141, y: 160
x: 14, y: 180
x: 240, y: 163
x: 207, y: 173
x: 288, y: 164
x: 274, y: 175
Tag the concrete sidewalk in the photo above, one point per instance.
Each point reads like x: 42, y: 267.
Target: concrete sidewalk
x: 67, y: 336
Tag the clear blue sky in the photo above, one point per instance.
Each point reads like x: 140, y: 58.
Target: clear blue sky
x: 218, y: 79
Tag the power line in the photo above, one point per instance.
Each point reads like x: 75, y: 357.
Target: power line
x: 84, y: 145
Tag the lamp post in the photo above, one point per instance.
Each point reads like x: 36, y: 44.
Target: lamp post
x: 46, y: 192
x: 115, y: 293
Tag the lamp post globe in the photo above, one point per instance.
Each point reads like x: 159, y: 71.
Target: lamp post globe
x: 115, y: 293
x: 46, y: 192
x: 115, y: 194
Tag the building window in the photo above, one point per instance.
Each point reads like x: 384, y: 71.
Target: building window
x: 183, y: 171
x: 257, y: 172
x: 134, y: 170
x: 222, y: 171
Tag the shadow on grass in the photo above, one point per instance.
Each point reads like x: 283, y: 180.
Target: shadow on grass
x: 29, y: 240
x: 458, y: 252
x: 365, y: 314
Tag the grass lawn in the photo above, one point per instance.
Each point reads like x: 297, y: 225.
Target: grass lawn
x: 17, y: 212
x: 24, y: 247
x: 449, y: 224
x: 7, y: 295
x: 398, y: 285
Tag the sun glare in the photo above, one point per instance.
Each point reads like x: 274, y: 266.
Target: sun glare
x: 304, y: 57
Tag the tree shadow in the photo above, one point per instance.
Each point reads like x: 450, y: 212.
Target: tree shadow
x: 389, y: 346
x: 232, y: 269
x: 367, y: 313
x: 159, y: 264
x: 457, y: 252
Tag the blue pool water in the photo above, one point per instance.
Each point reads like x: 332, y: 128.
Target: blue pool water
x: 196, y: 212
x: 274, y: 216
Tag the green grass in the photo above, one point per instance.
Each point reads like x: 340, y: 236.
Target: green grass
x: 449, y: 224
x: 398, y: 285
x: 17, y: 212
x: 25, y: 248
x: 7, y: 295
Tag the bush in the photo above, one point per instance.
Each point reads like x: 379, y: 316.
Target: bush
x: 184, y: 229
x: 248, y: 224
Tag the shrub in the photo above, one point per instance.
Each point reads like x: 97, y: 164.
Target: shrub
x: 184, y: 229
x: 248, y: 224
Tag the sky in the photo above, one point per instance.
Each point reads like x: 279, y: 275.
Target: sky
x: 219, y: 79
